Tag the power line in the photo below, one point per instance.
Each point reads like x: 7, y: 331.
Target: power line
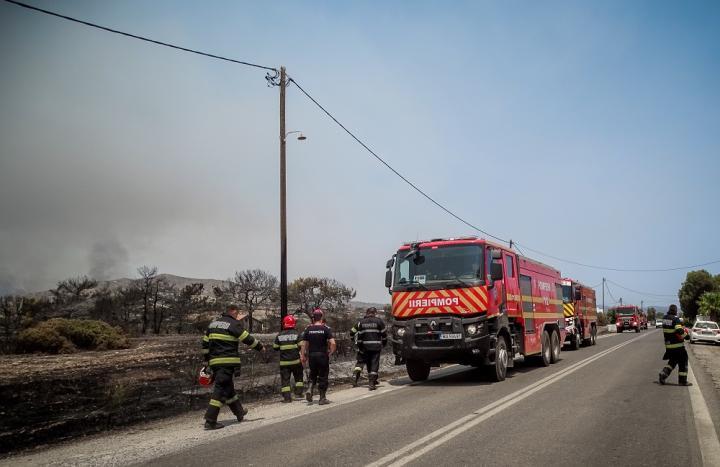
x: 610, y: 293
x: 641, y: 293
x: 392, y: 169
x: 358, y: 140
x: 134, y: 36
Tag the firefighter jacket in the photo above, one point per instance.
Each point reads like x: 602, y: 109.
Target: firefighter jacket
x: 674, y: 333
x: 287, y: 343
x: 220, y: 342
x: 370, y: 334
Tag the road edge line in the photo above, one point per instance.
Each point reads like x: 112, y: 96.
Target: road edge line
x: 704, y: 426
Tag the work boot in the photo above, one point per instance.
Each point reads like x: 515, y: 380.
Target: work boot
x: 210, y: 425
x: 373, y: 383
x: 286, y: 398
x: 357, y: 377
x: 238, y: 410
x: 684, y: 383
x: 323, y: 399
x: 309, y: 394
x: 662, y: 377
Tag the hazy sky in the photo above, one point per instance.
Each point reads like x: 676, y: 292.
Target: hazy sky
x: 587, y: 130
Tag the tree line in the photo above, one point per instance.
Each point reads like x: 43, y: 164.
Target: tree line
x: 151, y: 304
x: 700, y: 296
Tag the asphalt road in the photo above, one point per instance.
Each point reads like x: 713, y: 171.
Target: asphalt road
x: 597, y: 406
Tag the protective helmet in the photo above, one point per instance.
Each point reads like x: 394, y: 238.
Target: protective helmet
x: 289, y: 322
x: 672, y: 309
x: 206, y: 376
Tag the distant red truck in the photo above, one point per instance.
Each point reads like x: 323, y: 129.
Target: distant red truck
x: 629, y: 317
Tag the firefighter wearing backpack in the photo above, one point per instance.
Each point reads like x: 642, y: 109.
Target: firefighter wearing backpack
x: 371, y: 338
x: 220, y: 349
x: 674, y: 334
x: 288, y: 343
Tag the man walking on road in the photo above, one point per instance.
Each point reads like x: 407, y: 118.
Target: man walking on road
x: 675, y: 353
x: 220, y: 350
x: 287, y: 342
x: 317, y: 344
x: 371, y: 338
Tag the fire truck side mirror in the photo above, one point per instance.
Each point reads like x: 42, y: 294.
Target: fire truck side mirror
x: 390, y: 263
x: 496, y: 254
x: 388, y: 278
x: 496, y: 271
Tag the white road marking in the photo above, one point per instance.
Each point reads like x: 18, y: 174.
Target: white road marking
x: 440, y: 436
x: 707, y: 437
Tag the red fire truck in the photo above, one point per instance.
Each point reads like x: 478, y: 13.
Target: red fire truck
x: 473, y: 302
x: 627, y: 317
x: 580, y: 312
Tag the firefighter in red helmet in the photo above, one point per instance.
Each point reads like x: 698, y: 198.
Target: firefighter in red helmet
x: 287, y: 343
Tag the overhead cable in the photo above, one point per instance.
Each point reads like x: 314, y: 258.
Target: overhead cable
x: 135, y: 36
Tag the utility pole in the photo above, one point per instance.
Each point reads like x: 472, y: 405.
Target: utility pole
x: 283, y: 219
x: 641, y: 305
x: 603, y: 295
x: 620, y: 301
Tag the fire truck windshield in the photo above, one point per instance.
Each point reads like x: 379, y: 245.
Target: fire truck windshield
x: 625, y: 311
x: 441, y: 267
x: 567, y: 294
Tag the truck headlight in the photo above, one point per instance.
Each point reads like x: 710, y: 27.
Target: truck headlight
x: 472, y: 329
x: 400, y: 332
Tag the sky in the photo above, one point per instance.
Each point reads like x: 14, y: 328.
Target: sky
x: 589, y: 131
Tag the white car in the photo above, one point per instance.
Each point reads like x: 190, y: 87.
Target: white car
x: 705, y: 331
x: 658, y: 323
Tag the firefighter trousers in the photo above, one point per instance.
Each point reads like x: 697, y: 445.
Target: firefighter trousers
x: 319, y: 370
x: 360, y: 362
x: 223, y: 393
x: 372, y: 359
x: 296, y: 371
x: 679, y: 358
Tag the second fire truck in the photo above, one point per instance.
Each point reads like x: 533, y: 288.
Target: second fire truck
x: 473, y: 302
x: 580, y: 313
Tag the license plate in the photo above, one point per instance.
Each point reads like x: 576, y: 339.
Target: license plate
x: 450, y: 336
x: 707, y: 332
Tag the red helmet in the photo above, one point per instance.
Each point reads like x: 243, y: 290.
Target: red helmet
x: 289, y: 322
x: 206, y: 377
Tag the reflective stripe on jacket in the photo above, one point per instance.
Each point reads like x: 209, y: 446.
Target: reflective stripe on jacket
x: 287, y: 343
x: 673, y: 333
x: 371, y: 334
x: 221, y: 339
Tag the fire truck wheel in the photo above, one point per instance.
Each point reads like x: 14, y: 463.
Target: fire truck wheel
x: 544, y: 359
x: 575, y: 342
x: 554, y: 347
x: 417, y: 370
x: 498, y: 371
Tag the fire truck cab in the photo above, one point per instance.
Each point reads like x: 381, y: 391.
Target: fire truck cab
x: 469, y: 301
x: 580, y: 313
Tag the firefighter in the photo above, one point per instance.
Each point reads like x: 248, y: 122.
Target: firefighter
x: 371, y: 338
x: 287, y: 342
x: 317, y: 344
x: 220, y: 349
x: 674, y: 334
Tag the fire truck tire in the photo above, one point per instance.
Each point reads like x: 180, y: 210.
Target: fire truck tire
x: 554, y: 347
x: 417, y: 370
x: 498, y: 371
x: 575, y: 342
x: 544, y: 358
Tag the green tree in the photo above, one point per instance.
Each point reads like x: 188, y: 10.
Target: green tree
x: 308, y: 293
x: 709, y: 305
x: 696, y: 283
x: 651, y: 313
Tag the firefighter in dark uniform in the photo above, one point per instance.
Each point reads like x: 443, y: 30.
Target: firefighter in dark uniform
x: 317, y: 344
x: 287, y: 342
x: 675, y: 353
x: 371, y: 338
x: 220, y: 349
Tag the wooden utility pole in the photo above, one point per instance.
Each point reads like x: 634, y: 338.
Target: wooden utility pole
x: 283, y: 220
x: 603, y: 295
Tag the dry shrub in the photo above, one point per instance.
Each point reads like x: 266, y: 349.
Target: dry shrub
x: 61, y: 335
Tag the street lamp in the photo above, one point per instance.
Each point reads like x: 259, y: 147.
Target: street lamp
x: 283, y: 211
